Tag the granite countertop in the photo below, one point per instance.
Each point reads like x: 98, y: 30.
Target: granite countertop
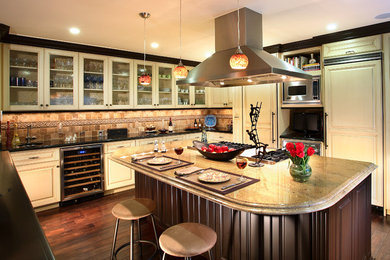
x: 276, y: 193
x: 21, y: 236
x: 53, y: 143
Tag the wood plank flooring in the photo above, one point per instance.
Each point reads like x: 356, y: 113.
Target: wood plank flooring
x: 85, y: 230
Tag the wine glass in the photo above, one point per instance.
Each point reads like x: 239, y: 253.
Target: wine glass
x: 241, y: 164
x: 178, y: 151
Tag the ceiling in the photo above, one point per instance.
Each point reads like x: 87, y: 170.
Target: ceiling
x: 116, y: 24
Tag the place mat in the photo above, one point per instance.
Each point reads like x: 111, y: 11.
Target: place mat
x: 188, y: 170
x: 173, y: 165
x: 140, y: 157
x: 217, y: 187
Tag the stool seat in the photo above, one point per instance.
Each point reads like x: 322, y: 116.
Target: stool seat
x: 133, y: 209
x: 187, y: 239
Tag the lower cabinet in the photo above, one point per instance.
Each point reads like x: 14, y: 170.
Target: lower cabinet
x: 115, y: 174
x: 41, y: 180
x: 215, y: 137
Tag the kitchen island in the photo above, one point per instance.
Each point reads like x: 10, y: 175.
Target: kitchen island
x: 327, y: 217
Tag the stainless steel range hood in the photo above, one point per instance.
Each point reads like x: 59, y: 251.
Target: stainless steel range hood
x: 263, y: 67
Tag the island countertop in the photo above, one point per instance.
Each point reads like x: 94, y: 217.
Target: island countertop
x: 276, y: 193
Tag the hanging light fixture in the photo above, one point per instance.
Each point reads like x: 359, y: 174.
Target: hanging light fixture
x: 180, y: 71
x: 238, y: 61
x: 144, y: 79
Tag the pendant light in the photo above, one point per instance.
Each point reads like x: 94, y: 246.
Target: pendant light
x: 238, y: 61
x: 180, y: 71
x: 144, y: 79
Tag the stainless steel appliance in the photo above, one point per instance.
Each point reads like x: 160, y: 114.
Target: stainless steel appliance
x: 81, y: 171
x: 317, y: 145
x: 302, y: 92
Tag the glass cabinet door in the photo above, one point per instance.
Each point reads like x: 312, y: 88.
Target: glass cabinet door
x: 24, y: 78
x: 63, y: 70
x: 165, y: 86
x: 120, y: 83
x: 183, y: 96
x: 200, y: 96
x: 144, y: 92
x: 93, y: 82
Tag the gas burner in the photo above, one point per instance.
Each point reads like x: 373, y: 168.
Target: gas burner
x: 235, y: 145
x: 275, y: 156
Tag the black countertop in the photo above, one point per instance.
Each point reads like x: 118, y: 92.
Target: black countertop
x: 21, y: 235
x: 53, y: 143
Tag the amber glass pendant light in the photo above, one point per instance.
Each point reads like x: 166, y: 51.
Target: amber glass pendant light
x: 144, y: 79
x: 180, y: 71
x: 238, y: 61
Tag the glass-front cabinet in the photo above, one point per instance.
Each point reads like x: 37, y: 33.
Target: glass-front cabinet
x: 190, y: 96
x: 120, y: 94
x: 61, y: 79
x: 93, y: 81
x: 160, y: 91
x: 23, y: 78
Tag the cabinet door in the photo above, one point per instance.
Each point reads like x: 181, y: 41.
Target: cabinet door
x: 23, y: 78
x: 61, y: 80
x: 353, y: 103
x: 120, y: 93
x: 93, y: 81
x: 355, y: 46
x: 199, y: 96
x: 164, y: 92
x: 183, y: 96
x: 267, y: 123
x: 144, y: 94
x: 218, y: 97
x: 41, y: 182
x: 117, y: 175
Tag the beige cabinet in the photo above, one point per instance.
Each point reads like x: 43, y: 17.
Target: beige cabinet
x: 267, y: 123
x: 354, y: 46
x: 386, y: 88
x: 40, y: 175
x: 353, y: 116
x: 120, y: 90
x: 215, y: 137
x: 190, y: 96
x: 238, y: 123
x: 221, y: 97
x: 116, y: 175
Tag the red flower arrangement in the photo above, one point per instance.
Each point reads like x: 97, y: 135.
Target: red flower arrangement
x: 298, y: 154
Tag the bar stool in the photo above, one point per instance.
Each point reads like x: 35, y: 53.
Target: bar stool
x: 187, y: 240
x: 133, y: 209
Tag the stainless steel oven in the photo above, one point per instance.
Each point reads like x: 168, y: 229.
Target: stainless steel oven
x: 302, y: 92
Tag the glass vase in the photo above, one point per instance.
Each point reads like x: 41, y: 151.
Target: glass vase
x: 300, y: 173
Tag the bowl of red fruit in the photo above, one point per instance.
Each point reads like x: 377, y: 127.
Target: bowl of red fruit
x: 215, y: 152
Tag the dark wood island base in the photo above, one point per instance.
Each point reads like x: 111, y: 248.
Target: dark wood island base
x: 342, y: 231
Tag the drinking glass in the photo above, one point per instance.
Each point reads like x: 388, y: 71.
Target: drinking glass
x: 241, y: 164
x: 178, y: 151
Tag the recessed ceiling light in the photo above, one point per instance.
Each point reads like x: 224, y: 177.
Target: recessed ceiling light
x: 208, y: 54
x: 249, y: 80
x: 74, y: 30
x: 331, y: 26
x: 154, y: 45
x: 222, y: 83
x: 383, y: 16
x: 284, y: 77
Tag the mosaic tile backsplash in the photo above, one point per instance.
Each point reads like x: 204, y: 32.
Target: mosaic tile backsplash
x: 56, y: 125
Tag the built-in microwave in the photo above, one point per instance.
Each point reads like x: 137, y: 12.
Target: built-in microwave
x: 302, y: 92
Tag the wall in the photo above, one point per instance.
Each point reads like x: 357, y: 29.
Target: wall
x: 45, y: 125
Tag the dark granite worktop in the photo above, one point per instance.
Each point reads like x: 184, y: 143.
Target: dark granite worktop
x: 53, y: 143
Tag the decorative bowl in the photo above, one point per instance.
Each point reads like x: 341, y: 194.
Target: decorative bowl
x: 226, y: 156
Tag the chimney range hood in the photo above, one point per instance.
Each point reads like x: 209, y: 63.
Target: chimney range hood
x: 263, y: 67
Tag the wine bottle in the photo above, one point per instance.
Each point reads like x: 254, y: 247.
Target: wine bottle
x: 199, y: 124
x: 170, y: 126
x: 8, y: 133
x: 195, y: 124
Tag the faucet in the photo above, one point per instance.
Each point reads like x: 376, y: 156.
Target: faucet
x: 28, y: 137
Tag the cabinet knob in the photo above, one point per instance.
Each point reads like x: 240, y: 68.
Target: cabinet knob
x: 58, y: 166
x: 106, y: 105
x: 47, y: 105
x: 41, y: 105
x: 157, y: 104
x: 110, y: 105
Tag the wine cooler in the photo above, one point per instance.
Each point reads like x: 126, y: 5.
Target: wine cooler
x: 81, y: 171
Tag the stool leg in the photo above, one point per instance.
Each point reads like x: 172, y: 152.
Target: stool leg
x: 114, y: 239
x: 163, y: 256
x: 131, y: 239
x: 139, y: 235
x: 210, y: 255
x: 155, y: 232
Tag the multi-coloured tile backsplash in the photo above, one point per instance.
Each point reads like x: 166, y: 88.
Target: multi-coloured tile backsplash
x: 56, y: 125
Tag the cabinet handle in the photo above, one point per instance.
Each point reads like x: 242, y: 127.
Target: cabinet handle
x: 41, y: 105
x: 326, y: 130
x: 47, y: 105
x: 110, y: 105
x: 58, y: 166
x: 106, y: 105
x: 350, y: 52
x: 157, y: 104
x: 121, y: 146
x: 273, y: 128
x: 33, y: 157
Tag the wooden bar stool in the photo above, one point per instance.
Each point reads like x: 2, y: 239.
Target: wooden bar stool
x: 133, y: 209
x: 187, y: 240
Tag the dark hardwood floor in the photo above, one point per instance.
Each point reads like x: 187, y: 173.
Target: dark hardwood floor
x: 85, y: 230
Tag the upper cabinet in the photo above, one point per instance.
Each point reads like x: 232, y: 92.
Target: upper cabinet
x: 119, y: 92
x: 61, y: 80
x: 23, y: 78
x: 192, y: 96
x: 308, y: 60
x: 165, y: 87
x: 93, y: 81
x: 221, y: 97
x: 355, y: 46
